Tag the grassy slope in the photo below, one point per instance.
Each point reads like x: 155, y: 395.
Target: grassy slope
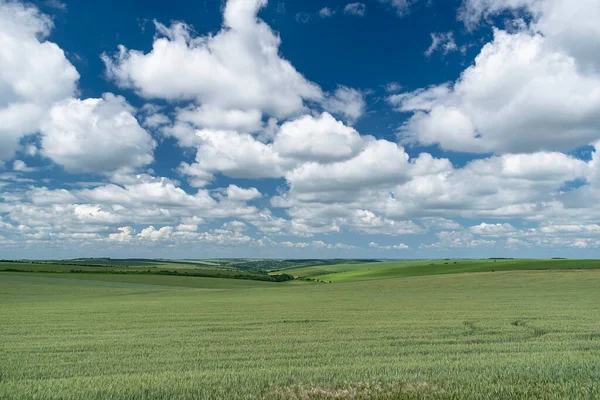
x: 156, y: 268
x: 121, y: 263
x: 134, y: 280
x: 400, y: 269
x: 505, y: 335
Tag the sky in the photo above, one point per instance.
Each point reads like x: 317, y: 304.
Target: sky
x: 299, y: 129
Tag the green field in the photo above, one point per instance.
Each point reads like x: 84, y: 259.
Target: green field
x: 454, y: 333
x: 402, y: 269
x: 150, y: 267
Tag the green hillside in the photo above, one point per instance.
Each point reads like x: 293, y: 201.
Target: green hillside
x: 400, y: 269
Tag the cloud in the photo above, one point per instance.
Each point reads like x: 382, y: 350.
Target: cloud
x: 321, y: 139
x: 322, y: 245
x: 346, y: 102
x: 400, y: 246
x: 156, y: 120
x: 571, y: 228
x: 236, y: 193
x: 393, y: 87
x: 521, y: 95
x: 443, y: 42
x: 326, y: 12
x: 401, y: 6
x: 156, y: 235
x: 59, y: 5
x: 211, y: 117
x: 95, y: 135
x: 356, y: 9
x: 472, y: 11
x: 167, y: 235
x: 366, y: 221
x: 159, y: 193
x: 21, y: 166
x: 125, y: 235
x: 109, y: 212
x: 381, y: 162
x: 458, y: 240
x: 427, y: 189
x: 212, y: 69
x: 300, y: 245
x: 34, y: 73
x: 187, y: 228
x: 573, y: 29
x: 237, y: 155
x: 492, y: 229
x: 439, y: 223
x: 303, y: 17
x: 241, y: 155
x: 236, y: 226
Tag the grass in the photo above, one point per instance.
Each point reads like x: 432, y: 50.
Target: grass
x: 136, y: 280
x: 403, y: 269
x: 503, y: 335
x: 157, y: 268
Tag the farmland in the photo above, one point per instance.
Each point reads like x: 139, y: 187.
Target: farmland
x: 402, y: 269
x: 388, y: 330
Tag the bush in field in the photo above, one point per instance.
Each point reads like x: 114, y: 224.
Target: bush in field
x: 282, y: 277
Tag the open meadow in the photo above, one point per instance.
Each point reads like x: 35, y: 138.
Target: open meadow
x: 528, y: 330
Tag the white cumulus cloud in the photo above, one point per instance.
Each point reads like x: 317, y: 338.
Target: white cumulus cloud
x: 34, y: 73
x: 95, y: 135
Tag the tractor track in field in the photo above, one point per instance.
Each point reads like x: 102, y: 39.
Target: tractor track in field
x: 535, y: 331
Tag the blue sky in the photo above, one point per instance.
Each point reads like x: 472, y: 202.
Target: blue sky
x: 247, y: 128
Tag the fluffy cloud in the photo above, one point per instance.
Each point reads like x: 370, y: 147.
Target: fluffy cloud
x: 322, y: 245
x: 430, y: 190
x: 393, y: 87
x: 357, y: 9
x: 400, y: 246
x: 381, y: 162
x: 537, y: 167
x: 95, y: 135
x: 34, y: 73
x: 167, y: 235
x: 428, y: 193
x: 241, y: 155
x: 238, y: 155
x: 21, y: 166
x: 320, y: 139
x: 156, y: 235
x: 401, y: 6
x: 492, y: 229
x: 347, y: 102
x: 438, y: 223
x: 236, y: 193
x: 522, y: 94
x: 149, y: 194
x: 572, y: 228
x: 326, y: 12
x: 537, y: 88
x: 110, y: 212
x: 211, y: 117
x: 125, y: 235
x: 443, y: 42
x: 366, y: 221
x: 213, y: 69
x: 502, y: 182
x: 458, y: 240
x: 574, y: 29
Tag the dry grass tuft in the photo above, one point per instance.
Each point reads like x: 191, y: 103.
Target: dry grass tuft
x: 357, y: 391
